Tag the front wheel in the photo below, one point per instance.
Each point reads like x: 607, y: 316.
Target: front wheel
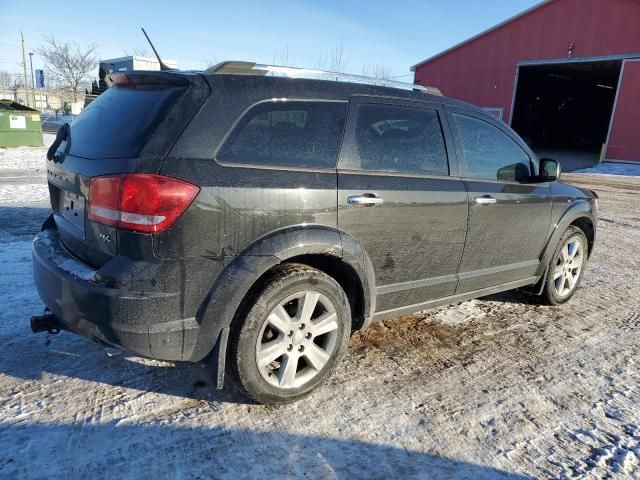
x: 292, y: 336
x: 566, y: 267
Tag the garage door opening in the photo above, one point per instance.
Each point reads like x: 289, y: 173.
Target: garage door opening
x: 563, y: 110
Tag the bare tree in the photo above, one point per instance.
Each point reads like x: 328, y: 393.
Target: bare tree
x: 69, y: 63
x: 6, y: 79
x: 334, y: 60
x: 136, y: 52
x: 284, y: 57
x: 377, y: 71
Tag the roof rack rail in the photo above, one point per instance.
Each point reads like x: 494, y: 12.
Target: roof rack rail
x: 250, y: 68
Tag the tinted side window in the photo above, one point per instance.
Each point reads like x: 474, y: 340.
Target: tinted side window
x: 301, y: 134
x: 490, y: 153
x: 400, y: 139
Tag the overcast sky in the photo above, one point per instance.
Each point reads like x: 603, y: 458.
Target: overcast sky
x: 395, y: 35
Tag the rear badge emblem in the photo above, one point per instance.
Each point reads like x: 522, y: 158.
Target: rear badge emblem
x: 105, y: 238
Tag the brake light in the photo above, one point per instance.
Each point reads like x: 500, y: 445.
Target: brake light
x: 139, y: 201
x: 122, y: 80
x: 134, y: 79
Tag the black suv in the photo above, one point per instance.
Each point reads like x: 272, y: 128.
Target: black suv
x: 253, y: 221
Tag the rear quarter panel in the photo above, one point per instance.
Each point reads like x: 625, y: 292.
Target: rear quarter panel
x: 239, y: 204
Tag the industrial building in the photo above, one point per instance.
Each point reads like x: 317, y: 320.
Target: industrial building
x: 122, y: 64
x: 565, y: 74
x: 133, y: 62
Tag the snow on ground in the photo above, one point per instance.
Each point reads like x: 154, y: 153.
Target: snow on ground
x: 27, y: 193
x: 500, y: 387
x: 23, y: 175
x: 611, y: 168
x: 27, y: 159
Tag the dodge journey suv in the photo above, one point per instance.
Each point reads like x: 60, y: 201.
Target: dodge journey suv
x: 253, y: 220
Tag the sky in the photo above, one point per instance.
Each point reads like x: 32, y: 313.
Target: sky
x: 391, y: 35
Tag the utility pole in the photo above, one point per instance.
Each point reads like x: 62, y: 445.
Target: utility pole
x: 33, y: 80
x: 24, y: 65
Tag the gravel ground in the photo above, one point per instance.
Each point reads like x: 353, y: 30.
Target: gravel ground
x: 500, y: 387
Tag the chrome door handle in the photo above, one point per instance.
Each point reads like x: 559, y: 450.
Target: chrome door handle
x: 366, y: 199
x: 484, y: 200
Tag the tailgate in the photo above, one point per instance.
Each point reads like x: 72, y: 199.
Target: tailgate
x: 128, y: 129
x: 69, y: 181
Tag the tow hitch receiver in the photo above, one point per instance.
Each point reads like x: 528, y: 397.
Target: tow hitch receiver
x: 47, y: 322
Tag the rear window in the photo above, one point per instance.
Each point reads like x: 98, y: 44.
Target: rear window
x: 289, y: 134
x: 119, y: 122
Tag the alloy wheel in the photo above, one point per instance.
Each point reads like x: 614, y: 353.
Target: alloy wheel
x: 568, y: 267
x: 297, y: 339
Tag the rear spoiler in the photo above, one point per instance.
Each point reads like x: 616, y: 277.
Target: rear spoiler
x: 138, y: 77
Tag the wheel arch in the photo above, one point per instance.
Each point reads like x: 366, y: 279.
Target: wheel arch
x: 586, y: 225
x: 346, y: 276
x: 327, y: 249
x: 579, y: 214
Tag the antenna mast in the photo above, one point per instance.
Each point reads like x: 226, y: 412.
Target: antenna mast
x: 163, y: 67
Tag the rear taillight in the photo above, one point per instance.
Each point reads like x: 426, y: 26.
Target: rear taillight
x: 139, y: 201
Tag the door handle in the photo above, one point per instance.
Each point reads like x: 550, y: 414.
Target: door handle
x: 367, y: 199
x: 486, y: 200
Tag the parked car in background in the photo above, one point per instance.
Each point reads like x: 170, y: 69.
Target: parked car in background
x: 254, y: 222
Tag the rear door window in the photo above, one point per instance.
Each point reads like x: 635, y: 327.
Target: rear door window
x: 120, y: 121
x: 288, y: 134
x: 490, y: 153
x: 400, y: 139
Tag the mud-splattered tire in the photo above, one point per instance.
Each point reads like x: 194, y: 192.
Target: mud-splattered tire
x: 290, y: 336
x: 566, y: 267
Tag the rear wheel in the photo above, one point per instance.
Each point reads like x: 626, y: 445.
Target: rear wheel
x: 566, y: 267
x: 292, y: 336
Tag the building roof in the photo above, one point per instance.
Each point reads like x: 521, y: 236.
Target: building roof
x: 14, y: 106
x: 482, y: 34
x: 138, y: 57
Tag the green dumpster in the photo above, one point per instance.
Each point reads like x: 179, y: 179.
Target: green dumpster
x: 19, y: 125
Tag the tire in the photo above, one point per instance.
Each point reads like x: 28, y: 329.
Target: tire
x: 280, y: 350
x: 560, y: 287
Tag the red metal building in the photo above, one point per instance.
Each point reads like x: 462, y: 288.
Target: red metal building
x: 565, y: 74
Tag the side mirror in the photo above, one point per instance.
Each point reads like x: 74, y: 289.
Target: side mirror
x: 517, y: 172
x: 549, y: 170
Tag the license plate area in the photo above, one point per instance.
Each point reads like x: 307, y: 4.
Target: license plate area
x: 70, y: 215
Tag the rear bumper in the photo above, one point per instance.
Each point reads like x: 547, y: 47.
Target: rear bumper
x: 142, y: 316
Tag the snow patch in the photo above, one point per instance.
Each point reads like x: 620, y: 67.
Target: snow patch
x: 33, y: 159
x: 48, y: 240
x: 609, y: 452
x: 610, y: 168
x: 465, y: 312
x: 17, y: 194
